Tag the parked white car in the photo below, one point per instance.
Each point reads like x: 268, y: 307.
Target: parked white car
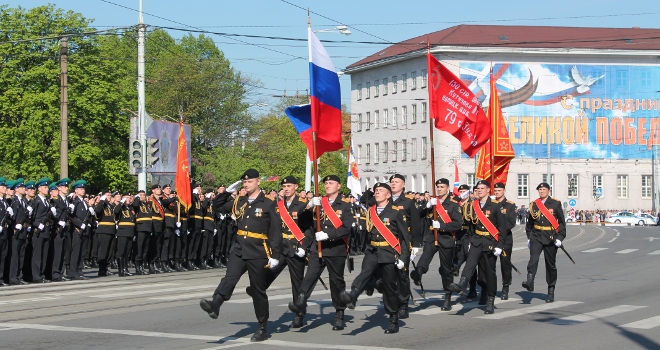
x: 625, y: 217
x: 649, y: 219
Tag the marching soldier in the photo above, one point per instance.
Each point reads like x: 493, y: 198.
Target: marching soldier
x: 125, y: 232
x: 61, y: 241
x: 257, y: 247
x: 181, y: 238
x: 385, y: 254
x: 546, y: 229
x: 5, y: 235
x: 170, y: 206
x: 487, y: 230
x: 20, y: 218
x: 41, y: 225
x: 144, y: 226
x: 440, y: 238
x: 510, y: 211
x: 335, y: 226
x: 195, y: 225
x: 105, y: 231
x: 80, y: 218
x: 208, y: 231
x: 158, y: 221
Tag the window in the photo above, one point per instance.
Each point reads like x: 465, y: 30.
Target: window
x: 597, y: 181
x: 413, y: 182
x: 385, y: 82
x: 414, y: 113
x: 646, y: 78
x: 359, y: 126
x: 425, y: 147
x: 359, y: 92
x: 368, y: 91
x: 551, y: 182
x: 376, y: 153
x: 596, y: 73
x: 395, y: 149
x: 359, y: 154
x: 646, y: 186
x: 368, y: 155
x: 404, y: 82
x: 404, y: 115
x: 424, y: 112
x: 395, y: 82
x: 395, y: 117
x: 368, y: 121
x: 523, y: 190
x: 376, y: 86
x: 424, y: 77
x: 404, y: 150
x: 622, y: 186
x: 621, y: 78
x: 422, y: 188
x: 385, y: 118
x: 471, y: 180
x: 573, y: 185
x: 413, y: 80
x: 376, y: 119
x: 413, y: 150
x: 385, y: 152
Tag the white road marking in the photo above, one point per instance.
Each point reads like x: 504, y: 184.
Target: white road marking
x: 626, y: 251
x: 434, y: 310
x: 242, y: 341
x: 96, y: 290
x: 143, y: 292
x: 518, y: 248
x: 207, y: 294
x: 29, y: 300
x: 657, y: 252
x: 274, y: 297
x: 596, y: 314
x: 594, y: 250
x: 648, y: 323
x: 529, y: 310
x: 34, y: 288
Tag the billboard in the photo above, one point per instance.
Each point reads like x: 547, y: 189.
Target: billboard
x: 582, y: 111
x: 167, y: 134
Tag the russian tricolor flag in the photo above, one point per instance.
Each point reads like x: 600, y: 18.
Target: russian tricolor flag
x: 323, y: 114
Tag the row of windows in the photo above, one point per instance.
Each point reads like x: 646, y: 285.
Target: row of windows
x: 621, y: 79
x: 393, y: 120
x: 386, y: 86
x: 622, y: 183
x: 415, y: 183
x: 391, y: 151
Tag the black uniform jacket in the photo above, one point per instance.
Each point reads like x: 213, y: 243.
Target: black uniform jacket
x: 105, y: 213
x: 393, y: 218
x: 536, y: 218
x: 209, y: 223
x: 5, y: 219
x: 413, y: 218
x: 19, y: 206
x: 446, y: 231
x: 303, y: 219
x: 80, y: 215
x: 41, y: 214
x: 157, y: 218
x: 259, y: 217
x: 196, y: 214
x: 493, y: 211
x: 125, y: 220
x: 510, y: 211
x: 143, y: 216
x: 335, y: 245
x: 170, y: 206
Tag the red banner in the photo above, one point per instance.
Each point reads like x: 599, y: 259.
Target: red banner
x: 455, y: 109
x: 182, y: 181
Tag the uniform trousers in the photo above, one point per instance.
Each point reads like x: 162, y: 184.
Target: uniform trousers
x: 296, y: 273
x: 165, y: 244
x: 404, y: 284
x: 206, y: 245
x: 181, y: 246
x: 142, y: 247
x: 40, y: 247
x: 194, y: 238
x: 155, y: 244
x: 4, y: 249
x: 105, y: 241
x: 387, y: 271
x: 94, y: 245
x: 124, y: 245
x: 67, y: 246
x: 486, y: 261
x: 505, y: 263
x: 236, y: 267
x: 17, y: 259
x: 59, y: 243
x: 78, y: 241
x: 550, y: 256
x: 315, y: 267
x: 446, y: 256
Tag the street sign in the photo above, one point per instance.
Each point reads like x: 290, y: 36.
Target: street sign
x: 599, y: 192
x: 572, y: 202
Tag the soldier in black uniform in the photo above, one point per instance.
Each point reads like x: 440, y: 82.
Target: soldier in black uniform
x: 61, y: 240
x: 41, y: 225
x: 105, y: 231
x: 20, y: 217
x: 170, y: 206
x: 125, y: 217
x: 181, y: 239
x: 5, y: 235
x: 543, y: 237
x: 195, y: 226
x: 158, y: 222
x: 509, y: 210
x: 80, y: 218
x: 387, y: 258
x: 257, y: 247
x: 144, y: 226
x: 445, y: 245
x: 333, y: 239
x: 208, y: 231
x: 484, y: 247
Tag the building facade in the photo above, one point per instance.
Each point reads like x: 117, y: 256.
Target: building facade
x: 581, y: 104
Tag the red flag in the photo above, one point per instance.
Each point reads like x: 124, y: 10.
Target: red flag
x: 456, y: 109
x: 499, y: 145
x: 182, y: 181
x: 457, y: 183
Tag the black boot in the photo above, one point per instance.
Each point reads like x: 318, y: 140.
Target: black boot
x: 551, y: 295
x: 120, y: 268
x: 152, y: 268
x: 529, y: 284
x: 192, y: 266
x: 416, y: 275
x: 483, y: 298
x: 113, y: 264
x: 299, y: 307
x: 261, y: 334
x: 154, y: 265
x: 393, y: 327
x: 505, y: 292
x: 204, y: 266
x: 161, y: 266
x: 138, y: 268
x: 297, y: 322
x: 212, y: 307
x: 125, y: 265
x: 461, y: 287
x: 403, y: 311
x: 170, y: 265
x: 339, y: 321
x: 94, y: 264
x: 447, y: 305
x: 490, y: 306
x: 179, y: 268
x: 455, y: 271
x: 349, y: 298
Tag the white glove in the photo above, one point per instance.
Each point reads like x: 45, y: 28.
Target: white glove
x: 233, y: 187
x: 215, y: 231
x: 557, y: 243
x: 116, y: 227
x: 122, y: 201
x: 41, y: 226
x: 222, y: 216
x: 91, y: 210
x: 29, y: 209
x: 29, y: 229
x: 70, y: 195
x: 10, y: 211
x: 399, y: 264
x: 273, y: 263
x: 53, y: 210
x: 82, y: 227
x: 137, y: 196
x: 134, y: 238
x: 103, y: 197
x: 465, y: 194
x: 178, y: 233
x: 300, y: 252
x: 316, y: 201
x: 321, y: 236
x: 195, y: 191
x: 72, y: 207
x: 412, y: 256
x: 415, y: 251
x: 208, y: 195
x: 187, y: 232
x: 353, y: 225
x: 436, y: 224
x: 497, y: 251
x: 1, y: 229
x: 178, y: 224
x: 360, y: 227
x: 62, y: 223
x: 432, y: 202
x: 18, y: 227
x: 233, y: 217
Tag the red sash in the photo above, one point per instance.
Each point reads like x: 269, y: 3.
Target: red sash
x: 160, y: 207
x: 383, y: 230
x: 485, y: 221
x: 547, y: 214
x: 442, y: 212
x: 332, y: 216
x: 288, y: 220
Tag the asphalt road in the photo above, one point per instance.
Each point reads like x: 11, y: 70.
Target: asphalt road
x: 608, y: 300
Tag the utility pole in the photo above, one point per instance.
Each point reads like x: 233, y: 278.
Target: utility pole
x: 547, y: 128
x: 142, y: 172
x: 653, y: 194
x: 64, y: 104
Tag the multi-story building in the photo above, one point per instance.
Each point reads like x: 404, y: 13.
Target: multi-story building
x: 580, y: 103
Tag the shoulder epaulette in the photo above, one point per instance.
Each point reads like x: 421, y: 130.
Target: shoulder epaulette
x: 453, y: 200
x: 530, y: 204
x: 395, y: 207
x: 410, y: 196
x: 510, y: 202
x: 346, y: 200
x: 303, y: 200
x: 555, y: 199
x: 272, y: 198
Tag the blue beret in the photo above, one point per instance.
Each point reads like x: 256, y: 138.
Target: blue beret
x: 64, y: 182
x: 29, y: 185
x: 52, y: 186
x: 79, y: 184
x: 43, y: 182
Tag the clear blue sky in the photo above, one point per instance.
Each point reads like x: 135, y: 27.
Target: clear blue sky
x: 282, y: 65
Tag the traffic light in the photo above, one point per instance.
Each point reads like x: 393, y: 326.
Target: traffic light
x: 152, y: 152
x: 136, y: 154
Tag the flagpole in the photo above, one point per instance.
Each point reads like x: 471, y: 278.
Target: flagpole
x: 492, y: 125
x: 315, y: 168
x: 431, y: 125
